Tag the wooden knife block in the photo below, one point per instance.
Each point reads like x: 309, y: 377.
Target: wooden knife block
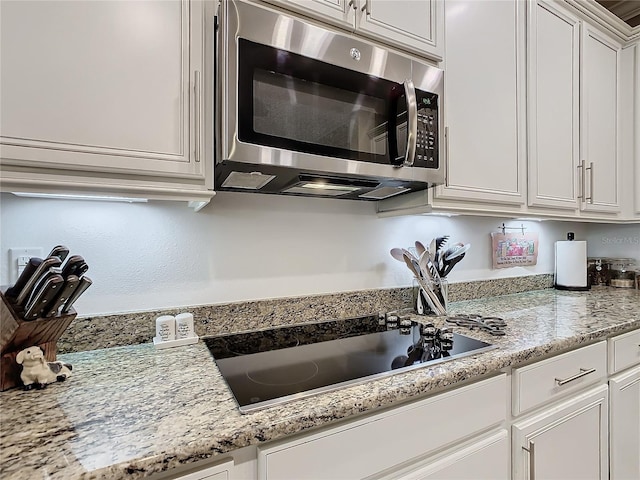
x: 17, y: 334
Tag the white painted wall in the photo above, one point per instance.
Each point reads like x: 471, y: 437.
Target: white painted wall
x: 619, y: 241
x: 244, y: 247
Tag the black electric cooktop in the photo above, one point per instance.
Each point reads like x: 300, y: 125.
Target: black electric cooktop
x: 267, y: 367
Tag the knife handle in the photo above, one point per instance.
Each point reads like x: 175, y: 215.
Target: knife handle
x: 85, y: 282
x: 70, y: 285
x: 29, y: 270
x: 73, y: 264
x: 59, y: 251
x: 33, y: 280
x: 43, y: 296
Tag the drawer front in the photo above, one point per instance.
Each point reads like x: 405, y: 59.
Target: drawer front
x: 366, y: 447
x: 541, y: 382
x: 624, y: 351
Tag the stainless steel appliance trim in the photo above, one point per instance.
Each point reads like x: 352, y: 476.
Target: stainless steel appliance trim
x: 412, y: 122
x: 447, y: 133
x: 358, y: 381
x: 269, y: 27
x: 244, y: 152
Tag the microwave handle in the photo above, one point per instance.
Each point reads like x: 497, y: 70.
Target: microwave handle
x: 412, y: 123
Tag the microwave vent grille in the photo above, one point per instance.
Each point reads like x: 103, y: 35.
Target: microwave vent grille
x: 247, y: 180
x: 384, y: 192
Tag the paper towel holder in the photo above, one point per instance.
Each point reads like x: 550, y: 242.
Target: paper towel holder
x: 572, y: 273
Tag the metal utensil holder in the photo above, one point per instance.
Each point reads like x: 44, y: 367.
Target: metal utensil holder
x: 441, y: 290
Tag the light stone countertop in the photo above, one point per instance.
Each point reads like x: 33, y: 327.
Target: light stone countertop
x: 129, y: 412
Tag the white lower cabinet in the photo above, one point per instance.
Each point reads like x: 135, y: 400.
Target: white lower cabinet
x: 387, y: 442
x: 566, y: 441
x: 220, y: 471
x: 485, y: 459
x: 624, y: 392
x: 624, y: 397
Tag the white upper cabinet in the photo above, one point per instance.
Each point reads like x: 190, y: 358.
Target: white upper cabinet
x: 337, y: 12
x: 573, y: 111
x: 103, y: 86
x: 484, y: 103
x: 414, y: 25
x: 553, y: 106
x: 599, y: 121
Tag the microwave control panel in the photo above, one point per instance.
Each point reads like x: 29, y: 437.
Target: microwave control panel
x: 427, y: 138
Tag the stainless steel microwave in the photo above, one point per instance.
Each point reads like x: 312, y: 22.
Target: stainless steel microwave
x: 305, y: 110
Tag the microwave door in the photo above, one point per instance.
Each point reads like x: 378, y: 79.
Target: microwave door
x: 403, y: 124
x: 305, y: 106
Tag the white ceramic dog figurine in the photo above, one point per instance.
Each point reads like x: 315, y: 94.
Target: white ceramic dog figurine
x: 37, y: 372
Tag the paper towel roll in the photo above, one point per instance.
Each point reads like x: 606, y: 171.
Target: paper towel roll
x: 571, y: 265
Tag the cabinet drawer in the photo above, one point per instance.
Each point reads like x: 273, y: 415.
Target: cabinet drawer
x: 484, y: 459
x: 540, y: 382
x: 366, y: 447
x: 624, y: 351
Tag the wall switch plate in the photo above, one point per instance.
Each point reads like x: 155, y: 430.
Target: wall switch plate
x: 18, y: 259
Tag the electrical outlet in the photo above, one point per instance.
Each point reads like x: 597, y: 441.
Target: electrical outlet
x: 18, y: 259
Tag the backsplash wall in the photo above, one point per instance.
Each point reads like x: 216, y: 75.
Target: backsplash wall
x: 620, y: 241
x: 245, y: 247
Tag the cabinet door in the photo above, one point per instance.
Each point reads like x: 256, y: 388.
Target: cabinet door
x: 102, y: 86
x: 218, y: 472
x: 486, y: 459
x: 413, y: 24
x: 599, y: 121
x: 484, y: 103
x: 378, y: 443
x: 625, y: 425
x: 553, y: 106
x: 568, y: 441
x: 637, y: 130
x: 338, y: 12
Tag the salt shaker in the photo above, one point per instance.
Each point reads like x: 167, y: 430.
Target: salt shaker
x: 184, y: 326
x: 166, y: 328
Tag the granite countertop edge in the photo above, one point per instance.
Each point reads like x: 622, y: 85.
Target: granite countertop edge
x: 212, y: 427
x: 407, y: 387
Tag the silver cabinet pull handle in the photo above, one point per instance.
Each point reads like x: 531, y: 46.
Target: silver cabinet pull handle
x: 583, y: 372
x: 196, y: 105
x: 532, y: 463
x: 446, y: 160
x: 353, y: 5
x: 590, y: 168
x: 412, y: 122
x: 365, y: 7
x: 581, y: 180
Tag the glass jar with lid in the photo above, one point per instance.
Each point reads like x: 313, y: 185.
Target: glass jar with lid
x: 622, y: 272
x: 598, y: 271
